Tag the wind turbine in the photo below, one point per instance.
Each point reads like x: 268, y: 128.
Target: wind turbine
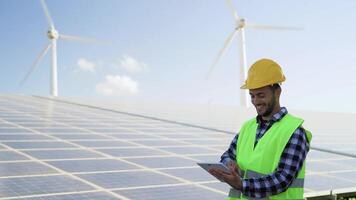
x: 239, y: 30
x: 53, y: 36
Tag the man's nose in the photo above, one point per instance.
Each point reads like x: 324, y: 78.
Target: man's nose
x: 256, y: 101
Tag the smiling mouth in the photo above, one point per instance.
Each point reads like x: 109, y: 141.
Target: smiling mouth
x: 259, y: 107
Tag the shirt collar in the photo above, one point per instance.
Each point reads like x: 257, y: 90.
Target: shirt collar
x: 276, y: 117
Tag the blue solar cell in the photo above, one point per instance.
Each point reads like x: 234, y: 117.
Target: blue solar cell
x: 31, y: 136
x: 12, y: 187
x: 134, y: 125
x: 208, y: 158
x: 45, y: 124
x: 59, y: 130
x: 16, y: 119
x: 61, y: 154
x: 129, y: 136
x: 159, y: 142
x: 24, y: 168
x: 38, y: 145
x: 347, y: 162
x: 81, y: 196
x: 180, y: 136
x: 153, y: 130
x: 82, y: 136
x: 224, y: 187
x: 191, y: 174
x: 108, y: 130
x: 128, y: 179
x: 92, y: 165
x: 127, y: 152
x: 163, y: 162
x: 187, y: 192
x: 6, y: 125
x: 317, y: 155
x: 351, y: 175
x: 222, y: 148
x: 324, y: 166
x: 108, y: 143
x: 204, y: 142
x: 321, y: 182
x: 10, y: 155
x: 13, y: 130
x: 190, y: 150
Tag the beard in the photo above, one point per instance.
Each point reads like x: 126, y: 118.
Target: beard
x: 270, y: 107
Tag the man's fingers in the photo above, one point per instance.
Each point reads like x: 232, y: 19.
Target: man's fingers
x: 235, y: 167
x: 234, y: 171
x: 219, y: 174
x: 238, y: 169
x: 229, y: 164
x: 214, y: 172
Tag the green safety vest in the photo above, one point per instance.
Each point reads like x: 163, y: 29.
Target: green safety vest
x: 263, y: 159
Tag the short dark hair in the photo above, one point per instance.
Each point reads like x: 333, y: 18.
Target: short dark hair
x: 275, y: 87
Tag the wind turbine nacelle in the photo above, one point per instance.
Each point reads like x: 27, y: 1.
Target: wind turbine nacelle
x: 241, y: 23
x: 52, y: 34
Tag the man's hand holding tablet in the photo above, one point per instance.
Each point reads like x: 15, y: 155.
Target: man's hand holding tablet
x: 230, y: 174
x: 209, y: 166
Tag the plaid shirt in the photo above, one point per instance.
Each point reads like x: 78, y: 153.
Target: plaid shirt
x: 289, y: 165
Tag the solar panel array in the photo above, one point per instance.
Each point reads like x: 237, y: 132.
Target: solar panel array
x: 53, y: 150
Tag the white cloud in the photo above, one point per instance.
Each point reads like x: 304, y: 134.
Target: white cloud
x: 86, y: 65
x: 115, y: 85
x: 131, y: 64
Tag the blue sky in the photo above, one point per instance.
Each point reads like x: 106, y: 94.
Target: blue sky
x: 161, y: 50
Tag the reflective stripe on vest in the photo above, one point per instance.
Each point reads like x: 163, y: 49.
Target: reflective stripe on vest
x: 233, y: 193
x: 237, y: 194
x: 297, y: 183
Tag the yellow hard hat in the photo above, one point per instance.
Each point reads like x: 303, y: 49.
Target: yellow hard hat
x: 262, y: 73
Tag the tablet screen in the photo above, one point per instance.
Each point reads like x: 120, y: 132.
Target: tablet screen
x: 208, y: 166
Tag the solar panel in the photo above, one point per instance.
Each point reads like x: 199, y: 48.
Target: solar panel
x: 327, y: 171
x: 185, y: 192
x: 92, y: 165
x: 8, y: 155
x: 23, y: 186
x: 37, y: 145
x: 128, y: 179
x: 55, y: 150
x: 24, y: 168
x: 82, y: 196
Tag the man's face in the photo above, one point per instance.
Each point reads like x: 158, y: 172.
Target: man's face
x: 264, y: 100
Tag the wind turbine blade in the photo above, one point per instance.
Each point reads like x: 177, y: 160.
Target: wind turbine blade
x: 80, y: 39
x: 35, y: 63
x: 233, y: 10
x: 221, y: 52
x: 272, y: 27
x: 46, y: 11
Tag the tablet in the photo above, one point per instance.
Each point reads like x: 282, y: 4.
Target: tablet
x: 208, y: 166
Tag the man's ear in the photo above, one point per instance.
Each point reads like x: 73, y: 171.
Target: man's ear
x: 278, y: 91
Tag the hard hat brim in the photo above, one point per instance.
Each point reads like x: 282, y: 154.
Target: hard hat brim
x: 244, y: 87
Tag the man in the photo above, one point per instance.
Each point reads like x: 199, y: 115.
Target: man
x: 266, y: 157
